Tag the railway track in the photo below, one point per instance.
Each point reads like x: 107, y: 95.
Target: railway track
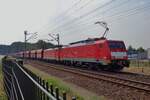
x: 138, y: 85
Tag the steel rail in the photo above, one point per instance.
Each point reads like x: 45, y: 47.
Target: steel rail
x: 102, y: 74
x: 115, y: 77
x: 108, y: 78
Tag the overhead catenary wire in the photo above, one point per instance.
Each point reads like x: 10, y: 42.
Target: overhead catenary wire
x: 64, y: 25
x: 77, y: 9
x: 84, y: 15
x: 92, y: 17
x: 66, y: 11
x: 128, y: 15
x: 112, y: 21
x: 113, y: 15
x: 95, y: 28
x: 69, y: 9
x: 117, y: 15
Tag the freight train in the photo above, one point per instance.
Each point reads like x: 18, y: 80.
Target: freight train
x: 96, y: 53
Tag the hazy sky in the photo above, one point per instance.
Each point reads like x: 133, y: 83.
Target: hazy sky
x: 128, y: 20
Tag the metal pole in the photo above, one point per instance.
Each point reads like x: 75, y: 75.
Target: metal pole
x: 43, y: 48
x: 58, y: 40
x: 25, y: 40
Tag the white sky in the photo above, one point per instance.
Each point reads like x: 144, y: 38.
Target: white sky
x: 128, y: 20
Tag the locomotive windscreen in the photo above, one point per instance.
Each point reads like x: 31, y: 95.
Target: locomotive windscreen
x: 116, y: 44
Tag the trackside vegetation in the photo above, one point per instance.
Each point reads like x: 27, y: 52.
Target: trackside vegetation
x: 140, y: 63
x: 2, y: 92
x: 139, y: 66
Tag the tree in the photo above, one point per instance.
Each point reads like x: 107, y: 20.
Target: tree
x: 19, y: 46
x: 131, y: 50
x: 140, y: 50
x: 40, y: 44
x: 44, y: 45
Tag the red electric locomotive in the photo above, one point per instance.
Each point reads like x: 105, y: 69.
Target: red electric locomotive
x: 99, y: 52
x: 102, y: 53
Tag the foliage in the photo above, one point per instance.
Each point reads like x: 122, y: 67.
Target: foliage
x: 2, y: 93
x: 140, y: 50
x: 132, y: 50
x: 19, y: 46
x: 140, y: 63
x: 42, y: 44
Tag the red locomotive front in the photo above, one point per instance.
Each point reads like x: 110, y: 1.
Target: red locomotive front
x: 102, y: 53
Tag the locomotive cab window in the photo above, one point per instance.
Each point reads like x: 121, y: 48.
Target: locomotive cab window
x: 115, y: 45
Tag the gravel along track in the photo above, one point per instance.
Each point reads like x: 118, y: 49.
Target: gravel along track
x: 129, y: 75
x: 111, y: 86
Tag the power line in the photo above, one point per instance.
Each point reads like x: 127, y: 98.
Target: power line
x: 133, y: 10
x: 131, y: 14
x: 85, y: 29
x: 122, y: 13
x: 106, y: 4
x: 67, y: 11
x: 86, y: 14
x: 101, y: 12
x: 84, y: 5
x: 78, y: 8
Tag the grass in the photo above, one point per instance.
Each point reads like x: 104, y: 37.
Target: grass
x: 63, y: 86
x: 140, y: 63
x: 139, y: 66
x: 2, y: 93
